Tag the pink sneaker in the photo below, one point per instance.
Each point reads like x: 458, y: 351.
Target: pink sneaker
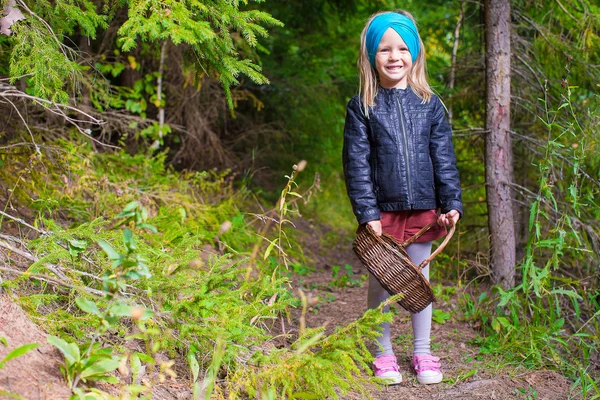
x: 386, y: 367
x: 427, y: 368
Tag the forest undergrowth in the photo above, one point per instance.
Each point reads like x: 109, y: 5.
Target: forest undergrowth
x: 146, y: 270
x: 157, y: 273
x: 550, y: 319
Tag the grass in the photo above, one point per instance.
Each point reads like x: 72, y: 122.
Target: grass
x: 177, y: 249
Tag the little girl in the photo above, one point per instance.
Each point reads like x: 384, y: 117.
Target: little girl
x: 400, y: 166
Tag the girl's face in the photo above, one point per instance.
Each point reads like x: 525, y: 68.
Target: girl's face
x: 393, y: 61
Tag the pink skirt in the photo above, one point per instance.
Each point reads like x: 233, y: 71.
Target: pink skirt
x: 404, y: 224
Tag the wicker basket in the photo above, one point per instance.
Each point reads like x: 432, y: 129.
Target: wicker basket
x: 387, y: 260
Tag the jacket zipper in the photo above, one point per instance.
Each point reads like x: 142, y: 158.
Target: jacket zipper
x: 406, y: 157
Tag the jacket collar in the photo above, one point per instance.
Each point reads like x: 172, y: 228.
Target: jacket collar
x: 390, y: 96
x: 400, y: 92
x: 395, y: 93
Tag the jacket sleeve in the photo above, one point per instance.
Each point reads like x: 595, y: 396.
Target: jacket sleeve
x: 357, y: 170
x: 447, y: 183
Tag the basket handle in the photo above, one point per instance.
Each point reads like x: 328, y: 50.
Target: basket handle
x: 417, y: 235
x: 440, y: 247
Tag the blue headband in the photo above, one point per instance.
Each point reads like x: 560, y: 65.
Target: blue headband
x: 403, y: 25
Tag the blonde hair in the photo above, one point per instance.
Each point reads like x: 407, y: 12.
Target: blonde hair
x: 369, y: 84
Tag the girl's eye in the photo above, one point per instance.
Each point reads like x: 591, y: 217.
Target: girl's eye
x: 383, y: 50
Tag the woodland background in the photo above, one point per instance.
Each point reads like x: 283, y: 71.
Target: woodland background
x: 146, y: 188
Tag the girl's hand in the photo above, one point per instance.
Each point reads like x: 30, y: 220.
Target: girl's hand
x: 376, y: 225
x: 450, y: 218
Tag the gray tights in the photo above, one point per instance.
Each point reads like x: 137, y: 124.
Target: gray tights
x: 421, y: 322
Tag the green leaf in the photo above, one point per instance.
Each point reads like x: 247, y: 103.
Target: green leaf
x: 496, y: 325
x: 128, y: 239
x: 133, y: 275
x: 566, y: 292
x: 125, y: 214
x: 143, y: 214
x: 19, y: 351
x: 149, y: 227
x: 131, y: 206
x: 100, y: 368
x: 77, y: 246
x: 559, y: 323
x: 117, y: 262
x: 501, y: 322
x: 87, y: 305
x: 308, y: 343
x: 270, y: 248
x: 107, y: 378
x: 121, y: 309
x: 533, y: 213
x: 573, y: 192
x: 440, y: 316
x: 136, y: 390
x: 576, y: 307
x: 304, y: 395
x: 69, y: 350
x: 481, y: 297
x: 96, y: 354
x: 194, y: 366
x: 109, y: 250
x: 86, y: 394
x: 11, y: 395
x: 215, y: 364
x: 136, y: 366
x: 145, y: 358
x: 506, y: 297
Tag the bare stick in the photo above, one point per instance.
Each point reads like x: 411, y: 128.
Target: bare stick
x: 37, y: 148
x: 18, y: 251
x: 52, y: 268
x: 53, y: 281
x: 11, y: 91
x: 12, y: 239
x: 23, y: 144
x: 8, y: 91
x: 19, y: 220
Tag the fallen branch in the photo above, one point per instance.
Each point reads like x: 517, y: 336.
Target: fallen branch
x: 55, y: 282
x: 52, y: 268
x: 55, y: 269
x: 19, y: 220
x: 9, y: 92
x: 18, y: 251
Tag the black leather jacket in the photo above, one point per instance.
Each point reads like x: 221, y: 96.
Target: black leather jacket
x: 401, y: 157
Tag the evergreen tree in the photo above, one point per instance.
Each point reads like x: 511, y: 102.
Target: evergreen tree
x: 42, y: 50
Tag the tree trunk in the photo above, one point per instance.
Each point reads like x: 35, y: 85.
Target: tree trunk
x: 453, y: 65
x: 86, y: 53
x: 499, y: 160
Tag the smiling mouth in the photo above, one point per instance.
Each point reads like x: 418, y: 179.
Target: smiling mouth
x: 394, y: 67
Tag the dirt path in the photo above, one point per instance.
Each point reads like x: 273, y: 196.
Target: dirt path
x: 36, y: 375
x: 467, y: 374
